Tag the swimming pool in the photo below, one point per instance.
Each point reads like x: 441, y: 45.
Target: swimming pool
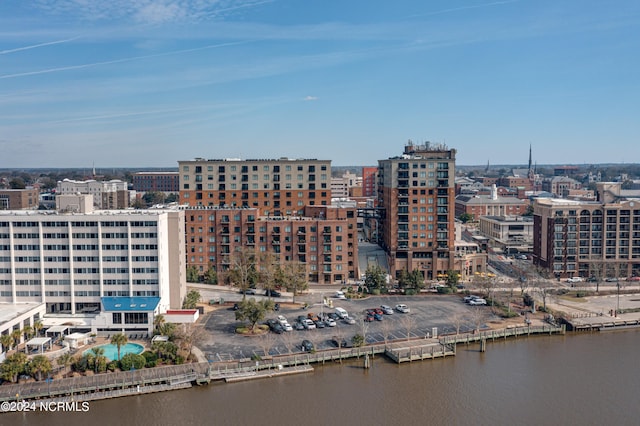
x: 111, y: 351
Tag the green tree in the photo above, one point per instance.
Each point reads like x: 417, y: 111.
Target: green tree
x: 210, y: 276
x: 295, y: 277
x: 99, y: 360
x: 65, y: 360
x: 13, y: 366
x: 453, y: 277
x: 28, y: 332
x: 253, y: 311
x: 38, y: 326
x: 17, y: 183
x: 38, y: 366
x: 158, y: 321
x: 465, y: 217
x: 357, y: 340
x: 193, y: 275
x: 413, y: 279
x: 166, y: 351
x: 119, y: 340
x: 7, y: 341
x: 375, y: 277
x: 131, y: 360
x: 191, y: 299
x: 17, y: 336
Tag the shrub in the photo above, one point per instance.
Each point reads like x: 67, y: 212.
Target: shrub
x: 445, y: 290
x: 112, y: 366
x: 357, y: 340
x: 150, y: 358
x: 130, y: 361
x: 410, y: 291
x: 375, y: 292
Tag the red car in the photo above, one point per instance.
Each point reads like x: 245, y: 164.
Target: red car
x: 634, y: 279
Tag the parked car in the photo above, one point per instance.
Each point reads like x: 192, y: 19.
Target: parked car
x: 298, y: 325
x: 313, y: 317
x: 402, y: 308
x: 369, y: 318
x: 320, y: 324
x: 287, y: 327
x: 478, y: 301
x: 611, y: 280
x: 377, y: 316
x: 275, y: 326
x: 339, y: 342
x: 272, y: 293
x: 386, y: 309
x: 308, y: 324
x: 575, y: 280
x: 339, y: 295
x: 470, y: 297
x: 301, y: 318
x: 633, y: 279
x: 330, y: 322
x: 236, y: 306
x: 281, y: 319
x: 348, y: 320
x: 307, y: 346
x: 334, y: 316
x: 249, y: 291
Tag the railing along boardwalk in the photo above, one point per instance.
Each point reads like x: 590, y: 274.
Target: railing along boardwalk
x: 503, y: 333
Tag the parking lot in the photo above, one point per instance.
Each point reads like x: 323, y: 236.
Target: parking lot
x: 444, y: 312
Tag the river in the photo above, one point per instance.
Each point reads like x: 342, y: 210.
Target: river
x: 585, y: 379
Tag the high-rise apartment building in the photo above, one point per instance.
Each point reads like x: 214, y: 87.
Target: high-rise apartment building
x: 156, y: 181
x: 369, y: 181
x: 282, y: 207
x: 417, y: 191
x: 578, y: 238
x: 274, y: 187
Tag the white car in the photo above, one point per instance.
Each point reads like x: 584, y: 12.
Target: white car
x: 386, y: 309
x: 348, y: 320
x: 286, y: 326
x: 308, y: 324
x: 402, y: 308
x: 339, y: 295
x: 471, y: 297
x: 477, y: 301
x: 330, y: 322
x: 281, y: 319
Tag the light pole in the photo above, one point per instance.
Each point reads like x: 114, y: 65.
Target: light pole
x: 618, y: 298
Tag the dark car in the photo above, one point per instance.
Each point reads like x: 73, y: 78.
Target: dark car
x: 272, y: 293
x: 275, y: 326
x: 236, y: 307
x: 334, y: 316
x: 307, y: 346
x: 339, y: 342
x: 320, y: 324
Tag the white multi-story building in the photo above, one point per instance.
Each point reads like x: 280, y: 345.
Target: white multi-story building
x: 113, y: 194
x: 73, y: 263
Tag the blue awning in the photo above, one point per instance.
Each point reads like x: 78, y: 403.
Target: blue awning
x: 130, y: 304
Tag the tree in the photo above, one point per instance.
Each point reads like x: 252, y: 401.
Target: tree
x: 191, y: 299
x: 37, y: 326
x: 465, y: 217
x: 119, y: 340
x: 267, y: 341
x: 99, y: 360
x: 17, y: 183
x: 131, y: 361
x: 453, y: 277
x: 13, y: 366
x: 188, y: 336
x: 375, y: 277
x: 28, y: 332
x: 253, y: 311
x: 7, y: 341
x: 210, y: 276
x: 408, y: 322
x: 271, y: 274
x: 65, y: 360
x: 193, y: 275
x: 158, y: 322
x: 413, y: 279
x: 39, y: 366
x: 295, y: 273
x: 17, y: 336
x: 242, y: 271
x: 166, y: 351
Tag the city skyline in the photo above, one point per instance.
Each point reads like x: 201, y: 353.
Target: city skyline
x: 145, y: 83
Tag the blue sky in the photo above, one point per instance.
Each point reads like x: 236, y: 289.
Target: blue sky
x: 125, y: 83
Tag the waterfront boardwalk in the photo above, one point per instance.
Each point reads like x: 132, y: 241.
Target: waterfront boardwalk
x: 149, y: 380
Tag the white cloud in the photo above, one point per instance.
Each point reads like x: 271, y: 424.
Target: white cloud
x: 310, y: 98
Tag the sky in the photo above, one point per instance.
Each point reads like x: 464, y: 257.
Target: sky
x: 147, y: 83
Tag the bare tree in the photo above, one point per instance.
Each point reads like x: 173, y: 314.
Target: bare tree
x: 408, y: 322
x: 386, y: 328
x: 267, y: 341
x: 478, y: 317
x: 295, y: 276
x: 242, y: 271
x: 190, y: 335
x: 289, y: 340
x: 458, y: 319
x: 364, y: 328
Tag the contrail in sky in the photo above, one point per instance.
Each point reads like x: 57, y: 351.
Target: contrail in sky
x: 456, y: 9
x: 35, y: 46
x: 117, y: 61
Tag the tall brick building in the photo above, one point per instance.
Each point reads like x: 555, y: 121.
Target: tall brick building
x: 271, y: 206
x: 417, y: 192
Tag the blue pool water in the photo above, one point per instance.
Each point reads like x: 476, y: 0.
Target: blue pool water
x: 111, y: 351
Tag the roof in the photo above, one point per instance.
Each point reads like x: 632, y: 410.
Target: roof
x: 38, y: 341
x: 57, y: 329
x: 486, y: 199
x: 121, y: 304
